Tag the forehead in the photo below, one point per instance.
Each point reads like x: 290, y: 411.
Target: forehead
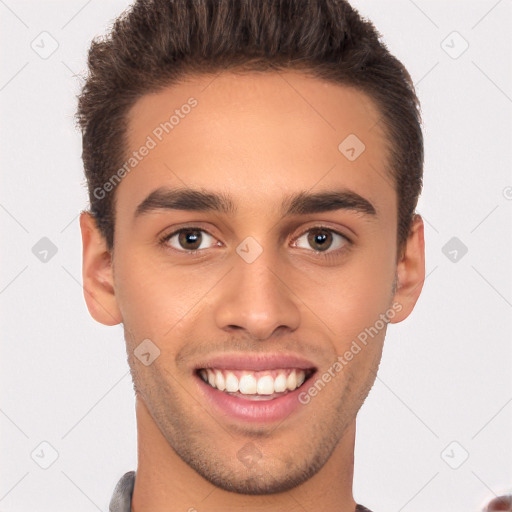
x: 256, y: 134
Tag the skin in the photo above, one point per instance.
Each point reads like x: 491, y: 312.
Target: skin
x: 258, y: 138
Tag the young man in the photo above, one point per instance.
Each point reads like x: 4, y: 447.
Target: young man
x: 253, y: 169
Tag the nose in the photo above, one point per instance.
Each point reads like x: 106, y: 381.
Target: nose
x: 257, y: 297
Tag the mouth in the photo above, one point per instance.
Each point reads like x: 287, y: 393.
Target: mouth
x: 262, y: 395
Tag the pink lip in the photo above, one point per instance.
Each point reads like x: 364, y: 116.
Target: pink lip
x: 255, y: 362
x: 263, y: 411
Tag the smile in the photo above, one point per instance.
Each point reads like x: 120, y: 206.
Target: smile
x: 262, y: 396
x: 266, y: 383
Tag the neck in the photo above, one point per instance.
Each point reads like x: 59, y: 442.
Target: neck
x: 165, y: 483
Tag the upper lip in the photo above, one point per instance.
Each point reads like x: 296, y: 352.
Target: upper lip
x: 256, y: 362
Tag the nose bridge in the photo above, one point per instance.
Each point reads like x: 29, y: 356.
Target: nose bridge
x: 257, y: 297
x: 258, y: 273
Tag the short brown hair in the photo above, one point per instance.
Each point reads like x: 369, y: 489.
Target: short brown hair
x: 155, y: 43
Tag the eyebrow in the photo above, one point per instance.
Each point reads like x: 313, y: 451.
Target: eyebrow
x: 301, y: 203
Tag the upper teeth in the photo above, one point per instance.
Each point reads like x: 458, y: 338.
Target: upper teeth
x: 251, y: 382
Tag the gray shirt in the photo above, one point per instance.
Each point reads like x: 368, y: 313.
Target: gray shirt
x: 122, y: 498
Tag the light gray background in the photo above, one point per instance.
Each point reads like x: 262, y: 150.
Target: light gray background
x: 445, y: 372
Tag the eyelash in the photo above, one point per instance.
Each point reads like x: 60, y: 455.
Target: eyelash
x: 328, y: 255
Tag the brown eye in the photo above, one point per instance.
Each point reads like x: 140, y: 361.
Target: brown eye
x: 190, y: 239
x: 322, y: 239
x: 187, y: 239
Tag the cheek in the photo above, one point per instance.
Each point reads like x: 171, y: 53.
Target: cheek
x: 358, y: 297
x: 154, y: 295
x: 143, y: 294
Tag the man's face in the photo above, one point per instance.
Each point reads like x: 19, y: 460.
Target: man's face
x: 260, y: 282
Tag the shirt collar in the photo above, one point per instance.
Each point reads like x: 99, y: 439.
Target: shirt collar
x: 121, y: 500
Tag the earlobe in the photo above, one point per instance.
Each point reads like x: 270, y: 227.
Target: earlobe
x: 98, y: 282
x: 410, y: 271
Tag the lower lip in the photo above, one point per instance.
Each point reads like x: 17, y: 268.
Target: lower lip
x: 262, y: 411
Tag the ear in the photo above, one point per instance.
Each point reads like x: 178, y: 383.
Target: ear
x: 97, y: 274
x: 410, y: 271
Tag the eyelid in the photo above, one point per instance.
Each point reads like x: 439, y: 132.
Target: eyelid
x: 327, y: 228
